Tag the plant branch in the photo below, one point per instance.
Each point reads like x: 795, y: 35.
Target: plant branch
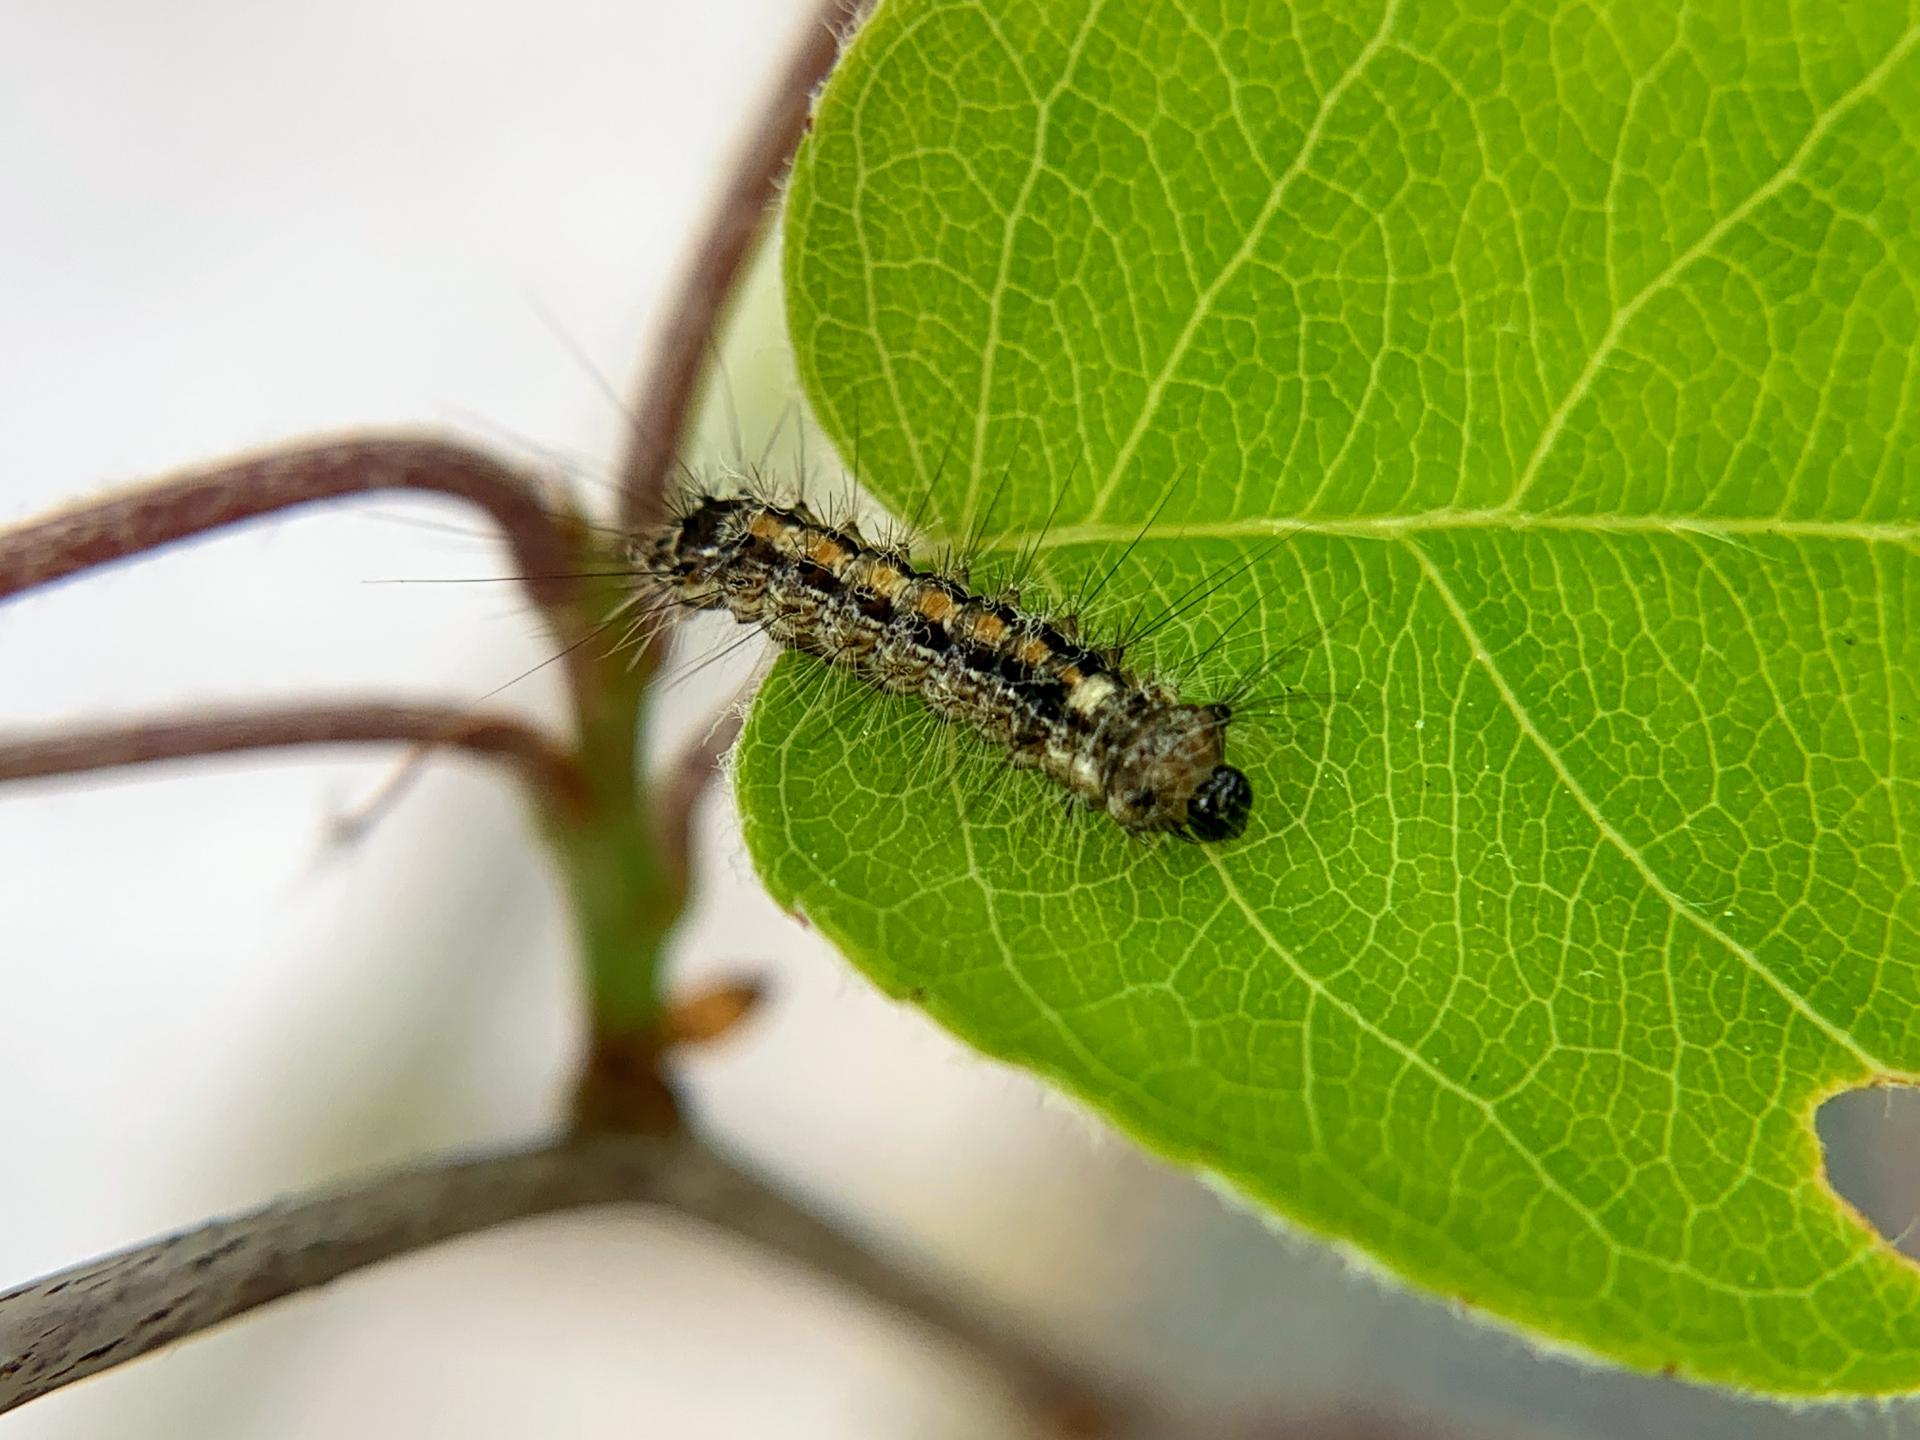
x: 668, y: 386
x: 149, y: 517
x: 95, y: 1316
x: 680, y: 789
x: 545, y: 765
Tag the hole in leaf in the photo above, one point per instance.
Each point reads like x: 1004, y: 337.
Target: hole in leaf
x: 1871, y: 1140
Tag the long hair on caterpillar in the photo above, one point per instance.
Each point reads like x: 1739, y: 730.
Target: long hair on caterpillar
x: 1127, y: 713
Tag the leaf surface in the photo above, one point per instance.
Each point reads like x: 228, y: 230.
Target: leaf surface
x: 1568, y: 355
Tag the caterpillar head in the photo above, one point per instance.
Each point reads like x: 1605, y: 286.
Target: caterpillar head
x: 1170, y: 773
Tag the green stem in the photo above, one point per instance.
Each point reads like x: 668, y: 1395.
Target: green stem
x: 624, y: 900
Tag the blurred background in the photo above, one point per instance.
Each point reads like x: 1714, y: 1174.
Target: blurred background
x: 224, y: 224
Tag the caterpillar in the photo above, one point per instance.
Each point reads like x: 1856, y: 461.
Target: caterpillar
x: 1112, y: 738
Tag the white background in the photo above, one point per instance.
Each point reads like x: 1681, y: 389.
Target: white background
x: 224, y: 224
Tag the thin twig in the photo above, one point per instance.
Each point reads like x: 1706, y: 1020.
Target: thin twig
x: 148, y: 517
x: 680, y: 790
x: 664, y: 398
x: 95, y: 1316
x: 546, y: 765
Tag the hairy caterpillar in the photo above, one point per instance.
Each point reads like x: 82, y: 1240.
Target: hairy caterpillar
x: 1112, y: 738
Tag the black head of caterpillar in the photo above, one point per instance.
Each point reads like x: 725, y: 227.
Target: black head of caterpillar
x: 1111, y: 738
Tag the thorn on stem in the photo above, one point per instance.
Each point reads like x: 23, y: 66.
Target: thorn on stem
x: 709, y: 1013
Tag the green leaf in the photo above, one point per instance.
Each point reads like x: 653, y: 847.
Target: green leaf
x: 1569, y: 354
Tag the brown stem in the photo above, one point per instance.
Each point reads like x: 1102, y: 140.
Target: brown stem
x: 668, y: 385
x: 546, y: 766
x: 95, y: 1316
x: 150, y: 516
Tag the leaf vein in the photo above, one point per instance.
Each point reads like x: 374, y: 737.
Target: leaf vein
x: 1626, y: 314
x: 1630, y: 852
x: 990, y: 345
x: 1203, y: 304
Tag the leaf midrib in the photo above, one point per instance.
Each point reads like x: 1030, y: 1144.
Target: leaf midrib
x: 1492, y: 520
